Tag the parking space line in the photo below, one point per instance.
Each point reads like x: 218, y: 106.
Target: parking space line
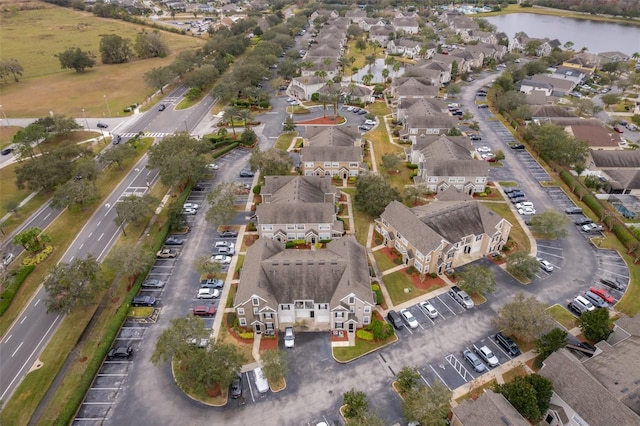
x: 421, y: 309
x: 441, y: 380
x: 438, y: 297
x: 551, y: 254
x: 502, y: 350
x: 250, y: 390
x: 424, y: 380
x: 462, y: 367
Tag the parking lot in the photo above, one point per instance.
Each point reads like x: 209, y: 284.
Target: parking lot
x: 532, y: 165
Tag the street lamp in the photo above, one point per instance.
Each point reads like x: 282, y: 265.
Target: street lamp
x: 107, y: 102
x: 86, y: 123
x: 5, y: 116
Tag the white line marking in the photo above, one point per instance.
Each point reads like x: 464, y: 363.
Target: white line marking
x: 100, y: 237
x: 23, y: 319
x: 436, y: 373
x: 17, y: 349
x: 8, y: 338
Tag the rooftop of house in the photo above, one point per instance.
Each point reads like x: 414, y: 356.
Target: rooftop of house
x: 331, y: 136
x: 298, y: 189
x: 595, y: 136
x: 616, y: 159
x: 489, y: 409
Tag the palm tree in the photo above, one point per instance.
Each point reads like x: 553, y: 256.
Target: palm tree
x: 385, y: 73
x: 322, y: 74
x: 397, y: 66
x: 246, y: 116
x: 370, y: 59
x: 227, y: 117
x: 366, y: 79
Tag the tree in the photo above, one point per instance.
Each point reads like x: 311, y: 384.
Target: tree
x: 374, y: 193
x: 595, y: 324
x: 24, y: 139
x: 525, y: 318
x: 10, y: 67
x: 274, y: 365
x: 366, y: 79
x: 593, y: 182
x: 361, y: 45
x: 157, y: 78
x: 202, y: 77
x: 610, y: 99
x: 550, y: 225
x: 585, y: 106
x: 134, y: 209
x: 499, y: 156
x: 49, y: 170
x: 129, y: 259
x: 117, y: 155
x: 505, y: 82
x: 272, y: 162
x: 248, y: 137
x: 455, y: 68
x: 176, y: 339
x: 535, y: 67
x: 289, y: 125
x: 228, y: 116
x: 73, y: 286
x: 150, y: 45
x: 246, y: 116
x: 453, y: 89
x: 179, y: 158
x: 522, y: 266
x: 522, y: 393
x: 355, y: 403
x: 510, y: 101
x: 427, y: 405
x: 454, y: 132
x: 415, y: 192
x: 86, y: 168
x: 477, y: 279
x: 408, y: 378
x: 115, y: 49
x: 221, y: 210
x: 32, y: 240
x: 390, y: 161
x: 550, y: 342
x: 176, y: 217
x: 204, y: 266
x: 75, y: 59
x: 554, y: 144
x: 75, y: 193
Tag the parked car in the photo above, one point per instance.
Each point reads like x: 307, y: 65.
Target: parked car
x: 262, y: 385
x: 208, y: 293
x: 545, y: 264
x: 603, y: 294
x: 212, y: 283
x: 143, y: 301
x: 429, y: 309
x: 213, y: 166
x: 474, y: 361
x: 162, y: 107
x: 580, y: 305
x: 7, y: 259
x: 197, y: 187
x: 613, y: 283
x: 591, y: 227
x: 173, y: 241
x: 189, y: 212
x: 167, y: 253
x: 120, y: 352
x: 507, y: 344
x: 220, y: 258
x: 235, y: 389
x: 461, y: 297
x: 527, y: 211
x: 188, y: 206
x: 228, y: 234
x: 370, y: 122
x: 515, y: 193
x: 204, y: 311
x: 524, y: 205
x: 516, y: 146
x: 485, y: 353
x: 408, y: 317
x: 246, y: 173
x: 475, y: 137
x: 289, y: 338
x: 518, y: 199
x: 582, y: 220
x: 6, y: 151
x: 596, y: 300
x: 482, y: 106
x: 227, y: 244
x: 617, y: 129
x: 483, y: 149
x: 573, y: 210
x: 395, y: 319
x: 153, y: 283
x: 102, y: 125
x: 225, y: 251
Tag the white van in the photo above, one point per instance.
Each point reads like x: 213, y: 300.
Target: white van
x: 261, y: 381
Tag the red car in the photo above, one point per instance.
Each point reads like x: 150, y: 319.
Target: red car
x: 204, y: 311
x: 617, y: 129
x: 605, y: 295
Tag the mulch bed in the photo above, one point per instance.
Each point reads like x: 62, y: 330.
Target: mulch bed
x: 330, y: 121
x: 268, y: 343
x: 429, y: 284
x: 391, y: 254
x: 250, y: 239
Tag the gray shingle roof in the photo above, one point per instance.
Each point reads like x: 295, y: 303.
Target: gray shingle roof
x: 615, y: 159
x: 298, y: 189
x: 332, y: 136
x: 489, y: 409
x: 468, y: 168
x: 335, y: 153
x: 295, y: 213
x: 578, y: 388
x: 444, y: 147
x: 326, y: 275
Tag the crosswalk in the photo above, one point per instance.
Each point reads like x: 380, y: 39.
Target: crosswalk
x: 146, y: 134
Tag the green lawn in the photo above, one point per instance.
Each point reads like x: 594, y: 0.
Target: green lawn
x: 396, y: 284
x: 284, y: 140
x: 383, y: 261
x: 362, y: 347
x: 361, y: 219
x: 562, y: 316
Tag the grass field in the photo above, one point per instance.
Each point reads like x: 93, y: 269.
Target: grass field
x: 35, y: 36
x: 562, y: 316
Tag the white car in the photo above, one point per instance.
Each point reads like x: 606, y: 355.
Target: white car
x: 188, y: 206
x: 224, y: 244
x: 429, y: 309
x: 213, y: 166
x: 370, y: 122
x: 591, y: 227
x: 527, y: 211
x: 409, y: 318
x: 524, y: 204
x: 189, y: 211
x: 545, y: 264
x: 488, y: 356
x: 220, y: 258
x: 208, y: 293
x: 483, y: 149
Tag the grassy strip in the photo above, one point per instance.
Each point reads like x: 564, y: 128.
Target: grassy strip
x: 360, y: 218
x: 362, y: 347
x: 517, y: 233
x: 562, y: 316
x: 383, y: 261
x: 284, y: 140
x: 10, y: 290
x: 396, y: 284
x: 630, y: 302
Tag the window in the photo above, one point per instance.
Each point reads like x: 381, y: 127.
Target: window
x: 339, y: 315
x: 285, y: 307
x: 324, y: 227
x: 352, y: 300
x: 452, y: 180
x: 327, y: 164
x: 240, y: 311
x: 335, y: 164
x: 481, y: 180
x: 460, y: 179
x: 243, y: 322
x: 478, y: 237
x: 353, y: 164
x: 366, y: 320
x: 323, y: 306
x: 433, y: 179
x: 300, y: 227
x: 308, y: 164
x: 268, y: 315
x: 291, y: 227
x: 255, y: 301
x: 255, y: 311
x: 367, y: 309
x: 267, y: 227
x: 413, y: 131
x: 339, y: 325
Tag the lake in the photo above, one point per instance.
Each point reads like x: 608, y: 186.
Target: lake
x: 596, y: 36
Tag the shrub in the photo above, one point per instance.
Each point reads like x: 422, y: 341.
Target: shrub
x: 127, y: 109
x: 246, y: 335
x: 193, y: 93
x: 264, y: 104
x: 434, y: 275
x: 288, y: 244
x: 412, y: 166
x: 10, y: 290
x: 252, y: 227
x: 365, y: 335
x: 411, y: 270
x: 315, y: 97
x: 380, y: 329
x: 256, y: 189
x: 379, y: 297
x: 39, y: 257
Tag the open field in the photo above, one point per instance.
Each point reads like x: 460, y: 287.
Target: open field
x: 35, y: 36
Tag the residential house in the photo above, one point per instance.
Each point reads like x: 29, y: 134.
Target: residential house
x: 356, y: 93
x: 404, y: 47
x: 527, y: 86
x: 332, y: 151
x: 597, y: 137
x: 298, y: 208
x: 406, y: 25
x: 560, y: 86
x: 415, y: 87
x: 613, y: 57
x: 547, y: 46
x: 586, y: 60
x: 621, y: 167
x: 575, y: 74
x: 421, y: 120
x: 315, y: 64
x: 331, y: 14
x: 304, y: 87
x: 442, y: 235
x: 489, y: 409
x: 325, y: 289
x: 356, y: 16
x: 381, y: 33
x: 463, y: 58
x: 405, y: 106
x: 479, y: 36
x: 323, y: 51
x: 446, y: 161
x: 442, y: 67
x: 368, y: 23
x: 578, y: 397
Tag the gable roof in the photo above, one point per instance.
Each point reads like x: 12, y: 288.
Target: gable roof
x: 444, y: 167
x: 336, y: 153
x: 297, y: 189
x: 489, y: 409
x: 615, y: 159
x: 580, y: 390
x: 551, y: 111
x: 411, y: 86
x: 627, y: 178
x: 331, y: 136
x: 444, y: 147
x: 295, y: 213
x: 423, y: 114
x: 326, y: 275
x: 595, y: 136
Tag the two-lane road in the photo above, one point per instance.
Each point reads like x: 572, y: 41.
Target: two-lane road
x: 22, y: 344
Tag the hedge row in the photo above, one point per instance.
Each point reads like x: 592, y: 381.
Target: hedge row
x: 18, y: 277
x: 225, y: 150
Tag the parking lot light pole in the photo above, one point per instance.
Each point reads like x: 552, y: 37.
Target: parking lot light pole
x: 5, y: 116
x: 108, y: 107
x: 86, y: 123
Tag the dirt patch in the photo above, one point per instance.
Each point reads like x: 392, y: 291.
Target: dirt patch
x: 327, y: 121
x: 214, y: 392
x: 250, y: 239
x: 82, y: 359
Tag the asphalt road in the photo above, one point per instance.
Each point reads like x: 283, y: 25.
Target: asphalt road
x: 31, y: 331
